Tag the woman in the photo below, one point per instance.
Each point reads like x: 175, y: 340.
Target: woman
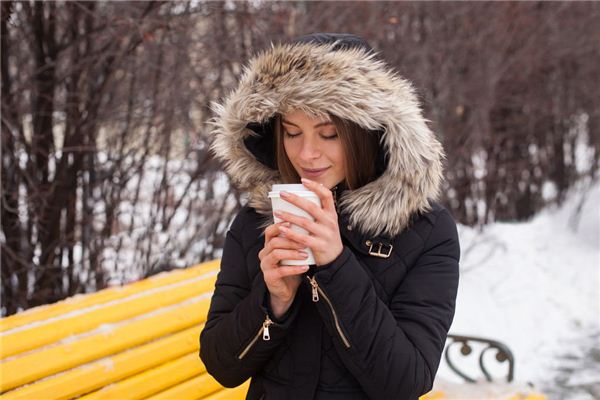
x: 370, y: 318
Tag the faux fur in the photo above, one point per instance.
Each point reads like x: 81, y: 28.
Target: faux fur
x: 350, y: 84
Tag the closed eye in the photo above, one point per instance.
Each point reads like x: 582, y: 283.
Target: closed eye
x: 291, y: 135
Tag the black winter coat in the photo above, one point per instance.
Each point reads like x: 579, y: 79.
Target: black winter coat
x: 377, y: 329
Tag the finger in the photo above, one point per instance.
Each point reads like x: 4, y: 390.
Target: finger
x: 307, y: 241
x: 282, y: 254
x: 304, y: 204
x: 273, y: 231
x: 324, y: 193
x: 289, y: 270
x: 281, y: 242
x: 272, y: 259
x: 277, y: 239
x: 302, y: 222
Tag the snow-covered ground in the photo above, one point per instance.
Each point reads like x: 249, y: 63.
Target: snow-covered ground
x: 536, y: 287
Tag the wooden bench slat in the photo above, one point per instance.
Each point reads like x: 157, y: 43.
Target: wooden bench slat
x: 434, y: 395
x: 195, y: 388
x: 34, y: 365
x: 86, y: 300
x: 95, y: 375
x: 152, y: 381
x: 21, y: 339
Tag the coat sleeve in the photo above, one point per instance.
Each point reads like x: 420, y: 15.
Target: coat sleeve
x: 394, y: 351
x: 235, y: 319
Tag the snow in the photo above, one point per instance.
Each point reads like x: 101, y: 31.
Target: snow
x: 140, y: 241
x: 535, y: 287
x: 108, y: 364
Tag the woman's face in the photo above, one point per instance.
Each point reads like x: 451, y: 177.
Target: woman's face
x: 314, y: 148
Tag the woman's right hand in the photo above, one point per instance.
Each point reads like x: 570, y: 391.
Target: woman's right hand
x: 282, y: 281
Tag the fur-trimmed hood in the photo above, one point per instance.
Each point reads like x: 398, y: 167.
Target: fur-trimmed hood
x: 346, y: 80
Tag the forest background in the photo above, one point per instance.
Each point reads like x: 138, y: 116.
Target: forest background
x: 106, y: 174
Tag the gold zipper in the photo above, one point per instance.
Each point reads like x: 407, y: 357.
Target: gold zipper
x: 316, y: 291
x: 264, y: 330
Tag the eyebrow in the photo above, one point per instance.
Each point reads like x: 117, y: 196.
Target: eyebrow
x: 316, y: 126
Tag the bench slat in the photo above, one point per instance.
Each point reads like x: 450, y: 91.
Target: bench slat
x: 152, y: 381
x: 96, y: 375
x: 20, y: 340
x: 196, y: 388
x: 78, y: 302
x: 103, y: 342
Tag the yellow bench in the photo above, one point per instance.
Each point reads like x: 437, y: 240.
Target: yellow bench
x: 132, y: 342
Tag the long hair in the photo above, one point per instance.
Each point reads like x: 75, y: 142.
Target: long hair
x: 360, y: 150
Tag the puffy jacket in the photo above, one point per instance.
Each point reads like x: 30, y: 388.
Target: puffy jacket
x: 373, y: 322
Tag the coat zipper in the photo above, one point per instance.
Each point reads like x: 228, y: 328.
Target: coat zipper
x: 264, y: 330
x: 316, y: 291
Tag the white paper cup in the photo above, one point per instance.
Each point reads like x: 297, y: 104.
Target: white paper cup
x: 280, y: 204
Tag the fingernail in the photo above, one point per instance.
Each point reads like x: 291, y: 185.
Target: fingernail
x: 304, y: 180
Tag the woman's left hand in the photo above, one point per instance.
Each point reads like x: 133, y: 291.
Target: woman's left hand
x: 324, y: 234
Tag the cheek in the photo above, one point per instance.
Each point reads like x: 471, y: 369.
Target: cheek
x: 290, y: 150
x: 337, y: 155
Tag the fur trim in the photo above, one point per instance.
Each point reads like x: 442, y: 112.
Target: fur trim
x: 350, y: 84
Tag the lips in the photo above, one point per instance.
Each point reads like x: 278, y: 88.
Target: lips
x: 313, y: 173
x: 314, y: 169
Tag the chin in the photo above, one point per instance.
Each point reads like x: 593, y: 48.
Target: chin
x: 327, y: 183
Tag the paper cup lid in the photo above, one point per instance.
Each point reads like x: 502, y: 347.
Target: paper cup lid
x: 288, y: 187
x: 297, y: 188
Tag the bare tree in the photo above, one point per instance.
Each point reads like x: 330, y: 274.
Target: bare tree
x: 106, y: 174
x: 102, y: 101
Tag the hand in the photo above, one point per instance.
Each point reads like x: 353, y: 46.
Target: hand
x: 324, y: 233
x: 282, y: 281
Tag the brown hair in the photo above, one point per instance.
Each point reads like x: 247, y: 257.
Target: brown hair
x: 360, y: 150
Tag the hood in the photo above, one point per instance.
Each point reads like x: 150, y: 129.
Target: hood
x: 337, y: 74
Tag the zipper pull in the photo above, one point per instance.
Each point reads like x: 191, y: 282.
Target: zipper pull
x: 315, y: 289
x: 266, y: 335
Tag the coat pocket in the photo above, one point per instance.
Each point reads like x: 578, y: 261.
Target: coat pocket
x: 335, y: 377
x: 279, y: 366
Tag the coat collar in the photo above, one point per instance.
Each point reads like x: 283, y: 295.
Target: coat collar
x: 351, y: 84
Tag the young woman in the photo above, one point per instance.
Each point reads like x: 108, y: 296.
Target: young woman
x: 370, y: 318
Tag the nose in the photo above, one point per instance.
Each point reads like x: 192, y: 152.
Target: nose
x: 310, y: 150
